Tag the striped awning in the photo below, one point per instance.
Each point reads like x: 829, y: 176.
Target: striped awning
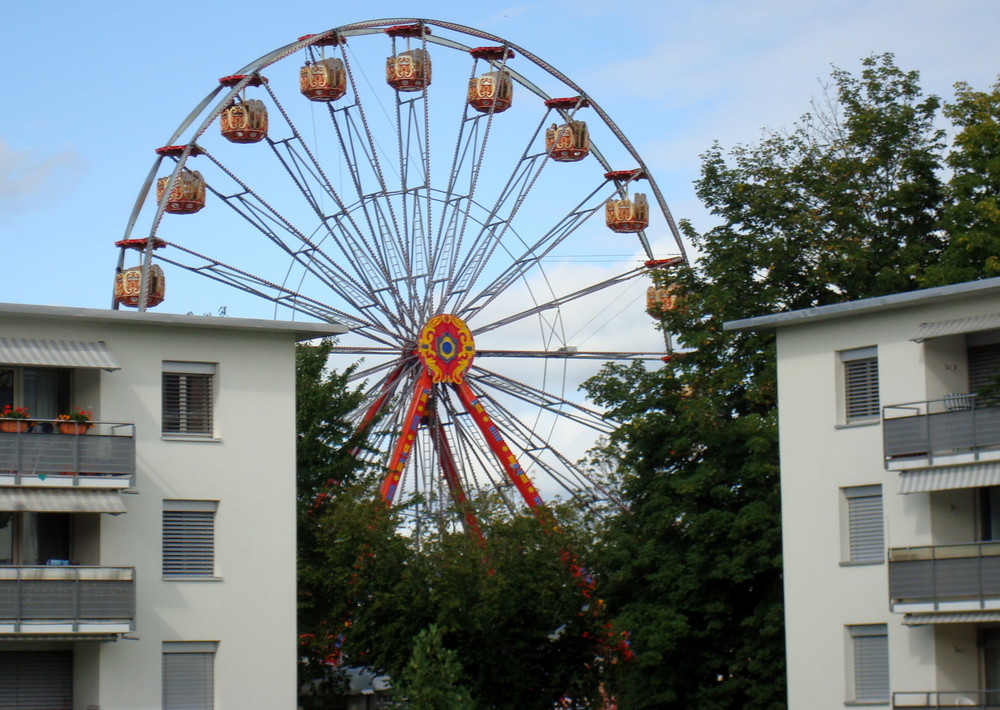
x: 950, y: 617
x: 926, y: 331
x: 60, y: 500
x: 57, y: 353
x: 945, y: 478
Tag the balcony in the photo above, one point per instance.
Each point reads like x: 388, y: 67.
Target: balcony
x: 102, y: 458
x: 945, y: 578
x: 66, y: 600
x: 934, y: 700
x: 957, y: 428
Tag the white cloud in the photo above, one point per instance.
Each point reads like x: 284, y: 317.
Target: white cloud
x: 29, y: 178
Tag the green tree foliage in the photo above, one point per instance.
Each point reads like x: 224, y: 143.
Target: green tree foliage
x: 513, y: 613
x: 432, y: 677
x: 972, y: 215
x: 323, y: 400
x: 844, y: 206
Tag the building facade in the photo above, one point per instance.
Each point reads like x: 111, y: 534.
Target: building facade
x: 149, y: 562
x: 890, y: 488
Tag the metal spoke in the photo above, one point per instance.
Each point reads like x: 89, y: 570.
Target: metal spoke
x: 531, y: 256
x: 560, y: 301
x: 544, y: 400
x: 370, y: 262
x: 570, y: 477
x: 231, y: 276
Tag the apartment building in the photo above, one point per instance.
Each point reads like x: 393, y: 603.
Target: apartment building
x: 890, y: 488
x: 149, y: 562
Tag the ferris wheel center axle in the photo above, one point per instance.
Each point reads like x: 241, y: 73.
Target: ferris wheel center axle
x: 446, y: 348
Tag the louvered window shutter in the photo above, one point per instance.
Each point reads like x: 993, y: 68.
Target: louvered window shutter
x: 187, y: 398
x: 36, y: 679
x: 188, y: 681
x: 871, y: 663
x: 984, y: 366
x: 188, y: 543
x: 861, y: 386
x: 865, y: 524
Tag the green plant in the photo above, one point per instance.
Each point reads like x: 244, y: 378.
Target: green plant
x: 10, y: 412
x: 79, y: 416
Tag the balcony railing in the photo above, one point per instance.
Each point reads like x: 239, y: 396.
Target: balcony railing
x: 947, y: 575
x: 989, y: 699
x: 106, y: 454
x: 70, y: 599
x: 960, y: 423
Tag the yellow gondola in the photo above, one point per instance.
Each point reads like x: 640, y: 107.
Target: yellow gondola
x: 128, y: 284
x: 323, y: 80
x: 187, y: 195
x: 625, y: 216
x: 567, y: 143
x: 409, y: 70
x: 660, y: 300
x: 491, y: 91
x: 244, y: 122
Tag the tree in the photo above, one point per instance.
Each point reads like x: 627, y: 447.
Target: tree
x: 511, y: 610
x: 432, y: 677
x: 845, y: 206
x: 972, y: 215
x: 323, y: 400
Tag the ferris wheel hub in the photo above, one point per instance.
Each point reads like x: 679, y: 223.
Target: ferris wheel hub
x: 446, y: 348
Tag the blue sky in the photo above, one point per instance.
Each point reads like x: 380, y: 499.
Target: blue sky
x: 92, y: 88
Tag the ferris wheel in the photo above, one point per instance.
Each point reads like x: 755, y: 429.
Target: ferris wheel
x: 433, y: 188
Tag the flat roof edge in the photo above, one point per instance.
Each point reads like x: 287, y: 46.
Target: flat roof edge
x: 865, y: 305
x: 303, y: 330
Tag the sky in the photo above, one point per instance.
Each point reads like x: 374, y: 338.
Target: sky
x: 92, y: 88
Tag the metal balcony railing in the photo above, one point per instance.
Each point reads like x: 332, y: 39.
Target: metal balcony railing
x: 107, y: 450
x: 89, y: 597
x: 959, y: 423
x: 935, y: 699
x: 944, y: 573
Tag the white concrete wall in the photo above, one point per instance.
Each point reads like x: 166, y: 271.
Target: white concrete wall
x: 819, y: 456
x: 249, y: 468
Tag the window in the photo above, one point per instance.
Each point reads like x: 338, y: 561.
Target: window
x: 189, y: 675
x: 860, y: 384
x: 984, y: 366
x: 865, y: 540
x: 44, y: 392
x: 189, y: 538
x: 989, y: 646
x: 989, y: 516
x: 187, y: 398
x: 868, y: 663
x: 36, y: 679
x: 29, y: 538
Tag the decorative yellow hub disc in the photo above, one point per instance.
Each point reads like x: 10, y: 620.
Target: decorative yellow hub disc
x: 446, y: 348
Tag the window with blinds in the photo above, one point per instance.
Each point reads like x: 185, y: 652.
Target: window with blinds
x: 187, y: 398
x: 865, y: 526
x: 860, y: 384
x: 984, y: 366
x: 189, y: 675
x: 870, y: 662
x: 189, y: 538
x: 36, y: 679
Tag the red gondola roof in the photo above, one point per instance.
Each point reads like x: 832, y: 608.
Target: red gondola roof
x: 568, y: 103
